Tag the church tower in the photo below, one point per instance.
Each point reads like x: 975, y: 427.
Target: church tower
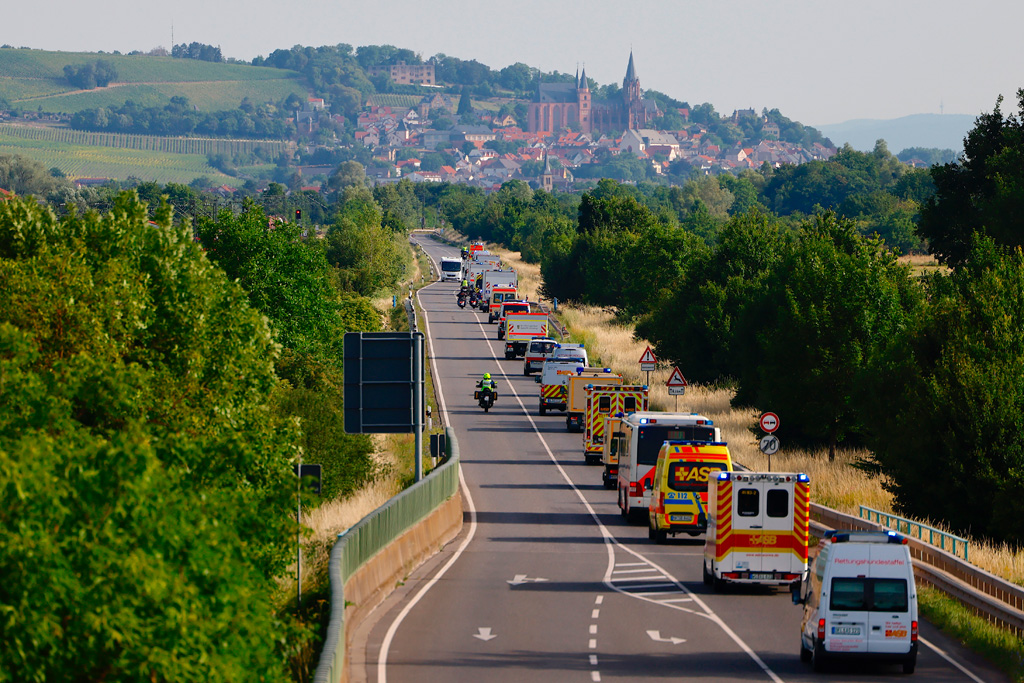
x: 583, y: 103
x: 632, y: 96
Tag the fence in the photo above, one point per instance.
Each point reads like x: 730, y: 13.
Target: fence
x: 907, y: 527
x: 989, y: 596
x: 372, y: 534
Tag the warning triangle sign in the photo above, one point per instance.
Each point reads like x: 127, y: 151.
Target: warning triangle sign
x: 676, y: 379
x: 648, y: 356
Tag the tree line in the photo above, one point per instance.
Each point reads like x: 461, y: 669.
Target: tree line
x: 162, y: 369
x: 785, y: 286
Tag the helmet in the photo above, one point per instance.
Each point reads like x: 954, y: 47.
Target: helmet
x: 487, y: 375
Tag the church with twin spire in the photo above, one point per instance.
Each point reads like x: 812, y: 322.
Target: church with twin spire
x: 560, y: 106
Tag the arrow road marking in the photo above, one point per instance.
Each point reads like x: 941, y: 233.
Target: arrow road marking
x: 484, y: 634
x: 656, y: 637
x: 520, y: 579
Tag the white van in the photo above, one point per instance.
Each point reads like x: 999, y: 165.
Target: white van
x: 450, y: 268
x: 861, y: 601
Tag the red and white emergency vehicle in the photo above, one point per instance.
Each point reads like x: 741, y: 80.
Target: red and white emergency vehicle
x: 758, y: 528
x: 643, y: 433
x: 538, y: 351
x: 520, y: 328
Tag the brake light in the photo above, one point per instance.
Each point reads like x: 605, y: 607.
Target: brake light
x: 821, y: 629
x: 660, y: 507
x: 638, y: 488
x: 913, y: 631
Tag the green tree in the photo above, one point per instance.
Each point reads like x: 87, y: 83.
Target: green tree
x: 826, y: 311
x: 946, y: 428
x: 983, y: 192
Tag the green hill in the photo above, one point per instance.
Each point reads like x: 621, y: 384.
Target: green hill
x: 34, y: 79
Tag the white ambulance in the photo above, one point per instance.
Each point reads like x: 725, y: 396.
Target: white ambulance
x: 758, y: 528
x: 860, y: 602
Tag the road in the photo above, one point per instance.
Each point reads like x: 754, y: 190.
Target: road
x: 547, y: 582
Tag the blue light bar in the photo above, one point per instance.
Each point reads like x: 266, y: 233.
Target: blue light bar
x: 723, y: 476
x: 803, y: 478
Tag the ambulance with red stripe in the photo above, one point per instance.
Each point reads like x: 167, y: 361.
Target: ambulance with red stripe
x: 642, y: 435
x: 603, y: 402
x: 758, y: 528
x: 680, y: 493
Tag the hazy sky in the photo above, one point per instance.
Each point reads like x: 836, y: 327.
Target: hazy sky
x: 817, y: 61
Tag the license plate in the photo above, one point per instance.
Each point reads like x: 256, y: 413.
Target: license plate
x: 846, y: 630
x: 680, y: 518
x: 762, y: 576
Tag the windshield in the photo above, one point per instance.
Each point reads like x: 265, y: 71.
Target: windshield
x: 451, y: 266
x: 650, y: 438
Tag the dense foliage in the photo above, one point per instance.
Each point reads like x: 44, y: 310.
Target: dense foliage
x: 98, y: 74
x: 983, y: 192
x: 144, y: 485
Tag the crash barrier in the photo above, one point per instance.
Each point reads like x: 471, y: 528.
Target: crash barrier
x: 369, y: 559
x: 908, y: 527
x: 993, y: 598
x: 562, y: 331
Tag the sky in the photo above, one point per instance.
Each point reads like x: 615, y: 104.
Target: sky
x: 817, y: 61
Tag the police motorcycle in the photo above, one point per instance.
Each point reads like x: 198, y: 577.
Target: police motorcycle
x: 486, y: 392
x: 461, y: 299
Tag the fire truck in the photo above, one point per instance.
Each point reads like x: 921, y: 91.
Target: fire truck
x: 758, y: 528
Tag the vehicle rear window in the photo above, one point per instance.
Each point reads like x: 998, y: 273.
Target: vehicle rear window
x: 522, y: 308
x: 651, y: 438
x: 691, y: 476
x: 604, y: 404
x: 629, y: 404
x: 748, y: 502
x: 541, y: 347
x: 777, y: 503
x: 869, y: 595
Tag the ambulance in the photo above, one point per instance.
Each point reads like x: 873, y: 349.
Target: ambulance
x: 508, y: 307
x: 860, y: 601
x: 538, y: 351
x: 602, y: 402
x: 576, y: 395
x: 520, y: 328
x: 554, y: 376
x: 491, y: 279
x: 643, y: 433
x: 758, y: 529
x: 498, y: 296
x: 680, y: 488
x: 610, y: 450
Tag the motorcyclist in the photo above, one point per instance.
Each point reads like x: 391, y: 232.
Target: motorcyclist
x: 487, y: 383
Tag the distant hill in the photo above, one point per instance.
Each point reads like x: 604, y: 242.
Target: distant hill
x: 34, y: 79
x: 941, y: 131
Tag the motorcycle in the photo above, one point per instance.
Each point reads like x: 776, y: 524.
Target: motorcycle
x: 485, y: 398
x: 473, y: 299
x: 462, y: 300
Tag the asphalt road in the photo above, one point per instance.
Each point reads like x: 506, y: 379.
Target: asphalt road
x: 547, y: 582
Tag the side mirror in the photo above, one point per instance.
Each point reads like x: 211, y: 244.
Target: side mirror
x: 537, y: 379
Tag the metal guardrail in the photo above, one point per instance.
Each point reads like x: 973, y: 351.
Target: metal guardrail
x: 372, y: 534
x: 907, y: 527
x: 991, y: 597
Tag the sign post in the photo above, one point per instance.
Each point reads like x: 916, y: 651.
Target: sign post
x: 676, y: 385
x: 769, y: 444
x: 647, y: 363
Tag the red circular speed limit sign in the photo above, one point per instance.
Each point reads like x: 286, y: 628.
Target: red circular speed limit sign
x: 769, y: 422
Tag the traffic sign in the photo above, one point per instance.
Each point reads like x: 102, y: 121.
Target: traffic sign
x: 769, y: 422
x: 647, y: 361
x: 676, y: 379
x: 769, y: 445
x: 676, y: 391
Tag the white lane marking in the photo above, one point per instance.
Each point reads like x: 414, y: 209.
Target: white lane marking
x: 385, y: 646
x: 631, y: 571
x: 484, y: 634
x: 939, y: 651
x: 593, y: 660
x: 599, y: 599
x: 630, y: 564
x: 520, y: 579
x: 595, y: 614
x: 611, y: 541
x: 595, y: 675
x: 593, y: 643
x: 593, y: 629
x: 656, y: 637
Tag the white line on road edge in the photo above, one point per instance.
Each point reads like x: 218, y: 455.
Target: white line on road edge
x: 942, y: 653
x: 382, y: 657
x: 611, y: 541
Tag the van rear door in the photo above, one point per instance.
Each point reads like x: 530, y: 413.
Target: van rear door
x: 889, y: 619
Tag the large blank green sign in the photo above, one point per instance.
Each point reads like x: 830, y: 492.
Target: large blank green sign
x: 383, y: 381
